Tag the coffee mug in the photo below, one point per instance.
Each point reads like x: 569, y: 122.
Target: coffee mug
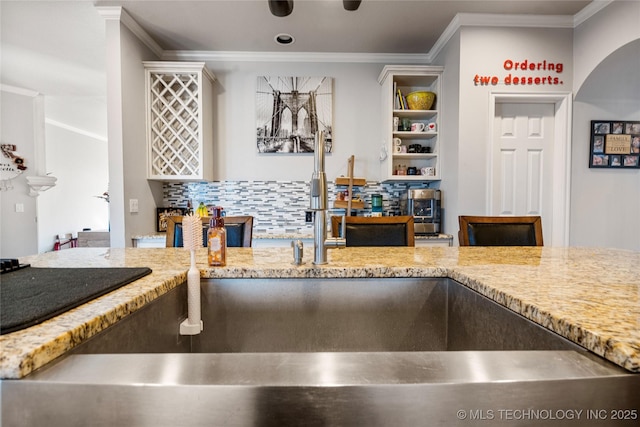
x: 405, y: 124
x: 412, y: 170
x: 396, y: 123
x: 397, y: 141
x: 417, y: 127
x: 431, y: 127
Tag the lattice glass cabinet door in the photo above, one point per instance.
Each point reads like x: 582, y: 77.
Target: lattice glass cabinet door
x: 179, y: 121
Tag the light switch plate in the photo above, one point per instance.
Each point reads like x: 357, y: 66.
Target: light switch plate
x: 133, y: 205
x: 19, y: 207
x: 308, y: 216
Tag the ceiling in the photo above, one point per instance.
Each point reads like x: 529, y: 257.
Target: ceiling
x: 58, y: 47
x: 389, y: 26
x: 69, y: 35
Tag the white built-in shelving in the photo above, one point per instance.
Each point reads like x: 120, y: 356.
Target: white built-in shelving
x: 407, y: 79
x: 179, y: 121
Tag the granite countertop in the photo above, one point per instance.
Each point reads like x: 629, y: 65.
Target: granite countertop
x: 590, y: 296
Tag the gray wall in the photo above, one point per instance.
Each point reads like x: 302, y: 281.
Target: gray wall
x: 127, y: 137
x: 357, y: 115
x: 357, y: 112
x: 605, y: 203
x: 357, y: 131
x: 18, y: 230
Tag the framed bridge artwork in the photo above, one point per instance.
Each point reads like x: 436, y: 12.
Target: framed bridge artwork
x: 289, y: 112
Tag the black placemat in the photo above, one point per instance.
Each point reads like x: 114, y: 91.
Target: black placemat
x: 32, y: 295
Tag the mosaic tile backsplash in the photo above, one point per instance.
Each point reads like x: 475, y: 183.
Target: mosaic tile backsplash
x: 278, y: 206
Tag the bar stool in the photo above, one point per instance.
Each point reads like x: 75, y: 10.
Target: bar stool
x: 63, y: 240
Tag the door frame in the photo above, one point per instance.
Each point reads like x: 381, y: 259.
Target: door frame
x: 561, y: 155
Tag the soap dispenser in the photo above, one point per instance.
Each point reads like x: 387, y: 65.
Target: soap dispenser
x: 217, y: 239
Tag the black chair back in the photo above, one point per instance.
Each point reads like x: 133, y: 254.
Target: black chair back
x: 500, y: 231
x: 376, y: 235
x: 376, y: 231
x: 235, y: 235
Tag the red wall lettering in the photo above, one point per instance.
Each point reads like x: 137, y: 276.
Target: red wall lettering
x: 519, y: 74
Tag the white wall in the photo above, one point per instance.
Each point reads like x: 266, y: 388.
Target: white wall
x: 605, y: 203
x: 484, y: 51
x: 18, y: 230
x: 79, y: 162
x: 357, y: 113
x: 127, y: 137
x: 356, y: 122
x: 136, y: 186
x: 449, y: 133
x: 357, y: 129
x: 602, y: 34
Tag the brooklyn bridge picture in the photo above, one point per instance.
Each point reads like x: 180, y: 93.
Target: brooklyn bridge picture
x: 289, y: 112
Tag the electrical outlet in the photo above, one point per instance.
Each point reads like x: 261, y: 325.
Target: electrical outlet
x: 133, y: 205
x: 308, y: 216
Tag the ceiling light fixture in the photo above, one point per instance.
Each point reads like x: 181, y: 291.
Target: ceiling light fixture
x: 284, y: 39
x: 281, y: 7
x: 351, y: 4
x: 285, y: 7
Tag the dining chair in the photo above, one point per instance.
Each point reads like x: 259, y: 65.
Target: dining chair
x: 239, y: 230
x: 500, y: 230
x: 375, y: 231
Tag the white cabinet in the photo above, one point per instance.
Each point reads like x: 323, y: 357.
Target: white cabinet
x: 417, y: 151
x: 179, y: 121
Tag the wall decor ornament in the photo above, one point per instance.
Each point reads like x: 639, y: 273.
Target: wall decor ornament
x: 289, y: 112
x: 11, y: 165
x: 615, y: 144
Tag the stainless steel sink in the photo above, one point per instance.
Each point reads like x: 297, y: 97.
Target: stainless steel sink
x: 328, y: 315
x: 360, y: 315
x: 375, y: 352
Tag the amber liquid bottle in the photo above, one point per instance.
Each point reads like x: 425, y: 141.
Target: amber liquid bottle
x: 217, y: 239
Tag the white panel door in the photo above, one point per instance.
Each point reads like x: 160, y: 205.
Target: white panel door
x: 522, y: 161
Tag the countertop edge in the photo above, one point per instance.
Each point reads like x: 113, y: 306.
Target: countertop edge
x: 47, y: 341
x: 61, y: 339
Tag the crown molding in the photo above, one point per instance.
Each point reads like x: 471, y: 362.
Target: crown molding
x: 589, y: 10
x: 118, y: 13
x: 460, y: 20
x: 221, y: 56
x: 498, y: 20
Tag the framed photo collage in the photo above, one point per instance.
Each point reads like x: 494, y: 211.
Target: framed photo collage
x: 615, y: 144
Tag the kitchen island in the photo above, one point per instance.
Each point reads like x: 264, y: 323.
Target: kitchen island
x: 589, y: 296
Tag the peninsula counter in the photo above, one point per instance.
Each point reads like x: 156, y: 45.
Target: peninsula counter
x: 590, y: 296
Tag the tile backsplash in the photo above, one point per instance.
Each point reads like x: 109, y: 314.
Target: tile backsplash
x: 278, y: 206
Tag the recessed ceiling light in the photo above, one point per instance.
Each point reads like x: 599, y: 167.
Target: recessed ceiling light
x: 284, y: 39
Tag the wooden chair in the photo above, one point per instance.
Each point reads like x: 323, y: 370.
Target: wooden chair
x: 500, y: 230
x: 239, y: 231
x: 375, y: 231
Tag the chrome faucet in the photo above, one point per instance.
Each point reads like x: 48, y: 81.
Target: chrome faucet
x: 318, y: 204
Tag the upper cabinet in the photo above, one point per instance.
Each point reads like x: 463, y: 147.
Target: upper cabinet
x: 179, y: 121
x: 411, y: 139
